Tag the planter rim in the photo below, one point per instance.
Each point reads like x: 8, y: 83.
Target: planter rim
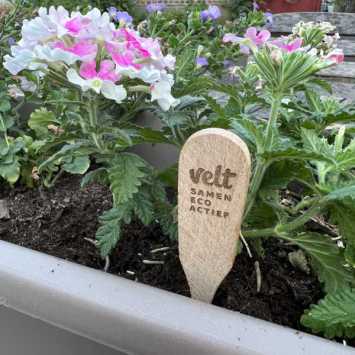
x: 136, y: 318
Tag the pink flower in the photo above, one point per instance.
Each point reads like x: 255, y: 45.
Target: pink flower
x: 337, y: 56
x: 252, y: 39
x: 107, y: 71
x: 75, y: 25
x: 133, y: 43
x: 124, y: 58
x: 289, y: 47
x: 81, y: 49
x: 257, y: 38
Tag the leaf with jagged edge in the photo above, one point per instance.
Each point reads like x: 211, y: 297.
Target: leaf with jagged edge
x: 109, y: 232
x: 343, y: 215
x: 251, y: 132
x: 126, y: 176
x: 99, y: 175
x: 295, y: 154
x: 143, y: 207
x: 326, y: 259
x: 333, y: 316
x: 341, y: 193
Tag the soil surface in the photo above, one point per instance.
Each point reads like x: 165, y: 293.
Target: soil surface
x: 62, y: 222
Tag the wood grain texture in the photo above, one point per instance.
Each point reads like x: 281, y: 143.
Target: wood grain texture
x: 345, y: 70
x: 344, y: 22
x: 214, y: 173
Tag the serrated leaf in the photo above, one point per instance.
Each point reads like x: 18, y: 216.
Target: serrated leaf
x: 334, y: 316
x: 249, y: 131
x: 169, y: 176
x: 281, y: 173
x: 344, y: 216
x: 109, y: 232
x: 326, y: 259
x: 98, y: 175
x: 125, y: 175
x: 167, y: 217
x: 295, y: 153
x: 143, y: 208
x: 148, y: 135
x: 341, y: 193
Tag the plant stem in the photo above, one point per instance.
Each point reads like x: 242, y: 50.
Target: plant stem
x: 275, y: 107
x: 281, y: 229
x: 92, y: 109
x: 301, y: 220
x: 257, y: 179
x: 262, y: 164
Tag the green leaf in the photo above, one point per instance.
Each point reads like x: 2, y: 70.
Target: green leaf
x: 167, y: 217
x: 79, y: 165
x: 41, y: 119
x: 169, y: 176
x: 10, y: 172
x: 109, y: 232
x: 251, y: 132
x: 98, y: 175
x: 5, y: 105
x: 281, y: 173
x: 295, y: 153
x: 6, y: 122
x: 341, y: 193
x: 143, y: 208
x: 344, y: 216
x: 334, y: 316
x: 148, y: 135
x: 326, y: 259
x: 125, y: 175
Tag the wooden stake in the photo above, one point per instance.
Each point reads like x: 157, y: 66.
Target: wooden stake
x: 214, y: 173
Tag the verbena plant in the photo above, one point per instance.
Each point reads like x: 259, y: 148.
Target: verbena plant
x: 92, y: 77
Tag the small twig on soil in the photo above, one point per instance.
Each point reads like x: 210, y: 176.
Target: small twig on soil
x: 258, y: 276
x: 92, y: 241
x: 107, y: 263
x: 159, y: 250
x: 153, y: 262
x: 246, y: 245
x: 107, y: 259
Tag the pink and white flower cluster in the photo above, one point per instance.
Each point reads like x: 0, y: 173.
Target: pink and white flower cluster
x: 253, y: 40
x: 94, y: 54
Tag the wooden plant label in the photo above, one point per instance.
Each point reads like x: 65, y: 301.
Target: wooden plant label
x: 214, y: 173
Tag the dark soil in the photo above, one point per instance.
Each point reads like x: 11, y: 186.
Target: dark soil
x: 62, y: 221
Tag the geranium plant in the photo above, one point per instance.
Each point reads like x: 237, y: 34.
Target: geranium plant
x: 94, y: 76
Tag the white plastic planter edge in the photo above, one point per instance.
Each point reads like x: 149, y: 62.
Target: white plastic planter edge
x: 135, y: 318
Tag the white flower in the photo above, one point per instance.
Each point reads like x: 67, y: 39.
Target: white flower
x: 27, y: 85
x: 51, y: 55
x: 107, y: 88
x: 22, y: 58
x: 49, y: 24
x: 149, y: 75
x: 161, y: 92
x: 15, y: 92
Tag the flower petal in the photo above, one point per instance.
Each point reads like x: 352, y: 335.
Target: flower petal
x: 113, y: 92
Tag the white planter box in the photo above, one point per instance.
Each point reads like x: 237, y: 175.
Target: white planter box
x: 130, y: 317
